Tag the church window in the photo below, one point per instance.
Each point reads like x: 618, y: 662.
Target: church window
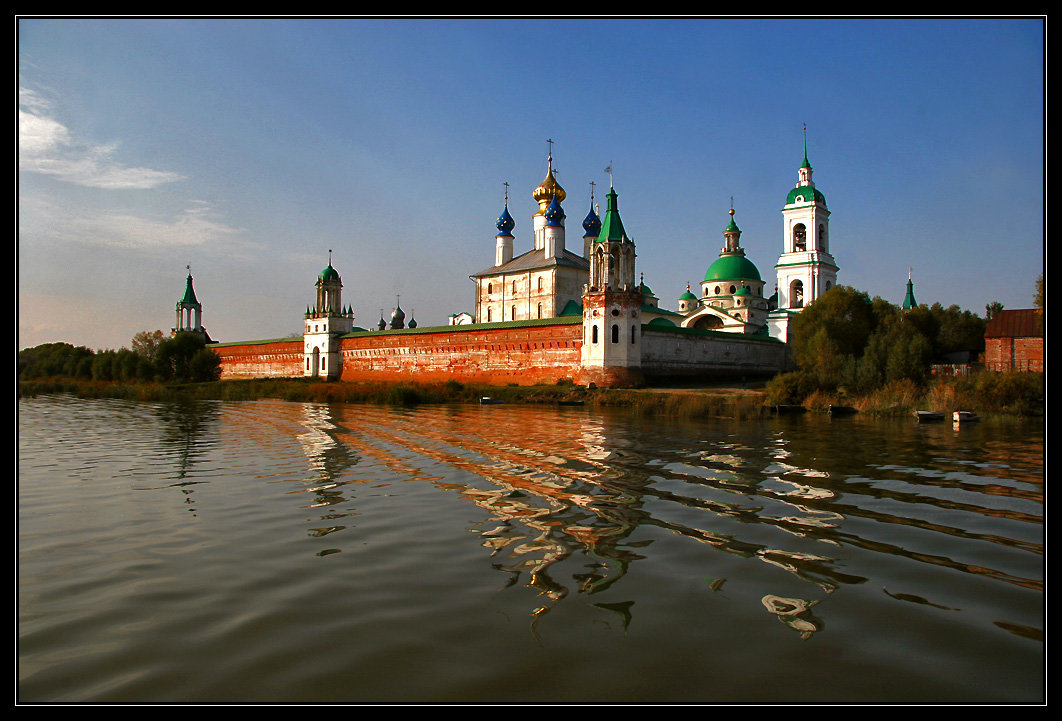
x: 822, y: 237
x: 615, y: 333
x: 732, y: 290
x: 633, y: 333
x: 796, y: 294
x: 800, y: 238
x: 488, y: 315
x: 513, y: 315
x: 490, y: 287
x: 540, y: 305
x: 593, y: 334
x: 540, y: 286
x: 514, y: 287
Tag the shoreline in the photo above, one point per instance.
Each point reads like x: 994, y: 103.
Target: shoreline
x: 722, y: 399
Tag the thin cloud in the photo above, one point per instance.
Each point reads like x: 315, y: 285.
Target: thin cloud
x: 195, y: 225
x: 46, y: 146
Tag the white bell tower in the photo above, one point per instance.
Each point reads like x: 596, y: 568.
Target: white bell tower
x: 805, y: 268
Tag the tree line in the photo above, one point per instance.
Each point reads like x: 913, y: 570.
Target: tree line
x: 152, y: 358
x: 846, y: 339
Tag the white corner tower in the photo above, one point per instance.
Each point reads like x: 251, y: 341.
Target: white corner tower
x: 612, y: 305
x: 324, y: 324
x: 805, y: 269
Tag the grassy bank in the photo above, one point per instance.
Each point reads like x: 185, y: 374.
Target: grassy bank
x: 987, y: 393
x: 663, y: 402
x: 1002, y: 394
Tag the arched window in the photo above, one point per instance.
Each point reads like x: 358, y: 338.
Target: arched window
x: 540, y: 283
x: 490, y: 287
x: 822, y: 237
x: 634, y: 328
x: 796, y: 294
x: 512, y: 316
x: 514, y: 287
x: 800, y: 238
x: 488, y: 315
x: 615, y: 333
x: 593, y: 334
x: 540, y: 305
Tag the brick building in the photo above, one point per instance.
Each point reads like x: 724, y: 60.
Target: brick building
x: 1014, y: 340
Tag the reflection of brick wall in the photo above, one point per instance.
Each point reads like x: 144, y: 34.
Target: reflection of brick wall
x: 264, y: 359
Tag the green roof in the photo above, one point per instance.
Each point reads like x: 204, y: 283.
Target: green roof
x: 189, y: 294
x: 732, y: 267
x: 612, y: 227
x: 809, y: 194
x: 572, y: 308
x: 687, y: 296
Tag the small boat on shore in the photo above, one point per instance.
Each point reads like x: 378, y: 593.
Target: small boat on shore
x: 965, y: 417
x: 928, y: 416
x: 488, y: 401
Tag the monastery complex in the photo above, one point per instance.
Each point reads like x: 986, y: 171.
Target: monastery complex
x: 571, y: 307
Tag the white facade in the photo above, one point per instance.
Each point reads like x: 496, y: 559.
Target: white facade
x: 323, y: 325
x: 805, y: 268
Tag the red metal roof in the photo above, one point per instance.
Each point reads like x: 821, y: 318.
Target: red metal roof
x: 1024, y: 323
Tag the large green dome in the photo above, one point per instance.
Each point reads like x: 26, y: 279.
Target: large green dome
x: 732, y: 267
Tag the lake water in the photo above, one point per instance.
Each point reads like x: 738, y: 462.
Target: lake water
x: 296, y: 552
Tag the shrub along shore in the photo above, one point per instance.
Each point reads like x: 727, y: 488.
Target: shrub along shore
x: 1005, y: 394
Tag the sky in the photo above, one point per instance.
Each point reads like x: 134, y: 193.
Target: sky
x: 250, y: 149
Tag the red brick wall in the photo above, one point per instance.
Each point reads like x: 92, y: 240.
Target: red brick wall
x: 523, y: 355
x: 1022, y: 354
x: 272, y: 359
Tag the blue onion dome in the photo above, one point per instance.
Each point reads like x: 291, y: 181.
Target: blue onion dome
x: 554, y: 213
x: 505, y: 223
x: 592, y: 223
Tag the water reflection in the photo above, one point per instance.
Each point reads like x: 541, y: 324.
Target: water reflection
x: 185, y: 430
x: 351, y: 540
x: 578, y: 483
x: 596, y: 490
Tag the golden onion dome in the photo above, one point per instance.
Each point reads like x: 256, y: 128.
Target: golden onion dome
x: 548, y: 189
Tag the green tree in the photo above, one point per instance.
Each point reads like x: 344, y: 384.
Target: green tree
x: 960, y: 330
x: 55, y: 360
x: 833, y: 331
x: 992, y: 309
x: 185, y: 358
x: 146, y: 343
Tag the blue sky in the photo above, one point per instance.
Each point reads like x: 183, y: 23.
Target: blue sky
x: 248, y: 148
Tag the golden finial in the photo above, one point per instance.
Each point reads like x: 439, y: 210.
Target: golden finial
x: 548, y: 188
